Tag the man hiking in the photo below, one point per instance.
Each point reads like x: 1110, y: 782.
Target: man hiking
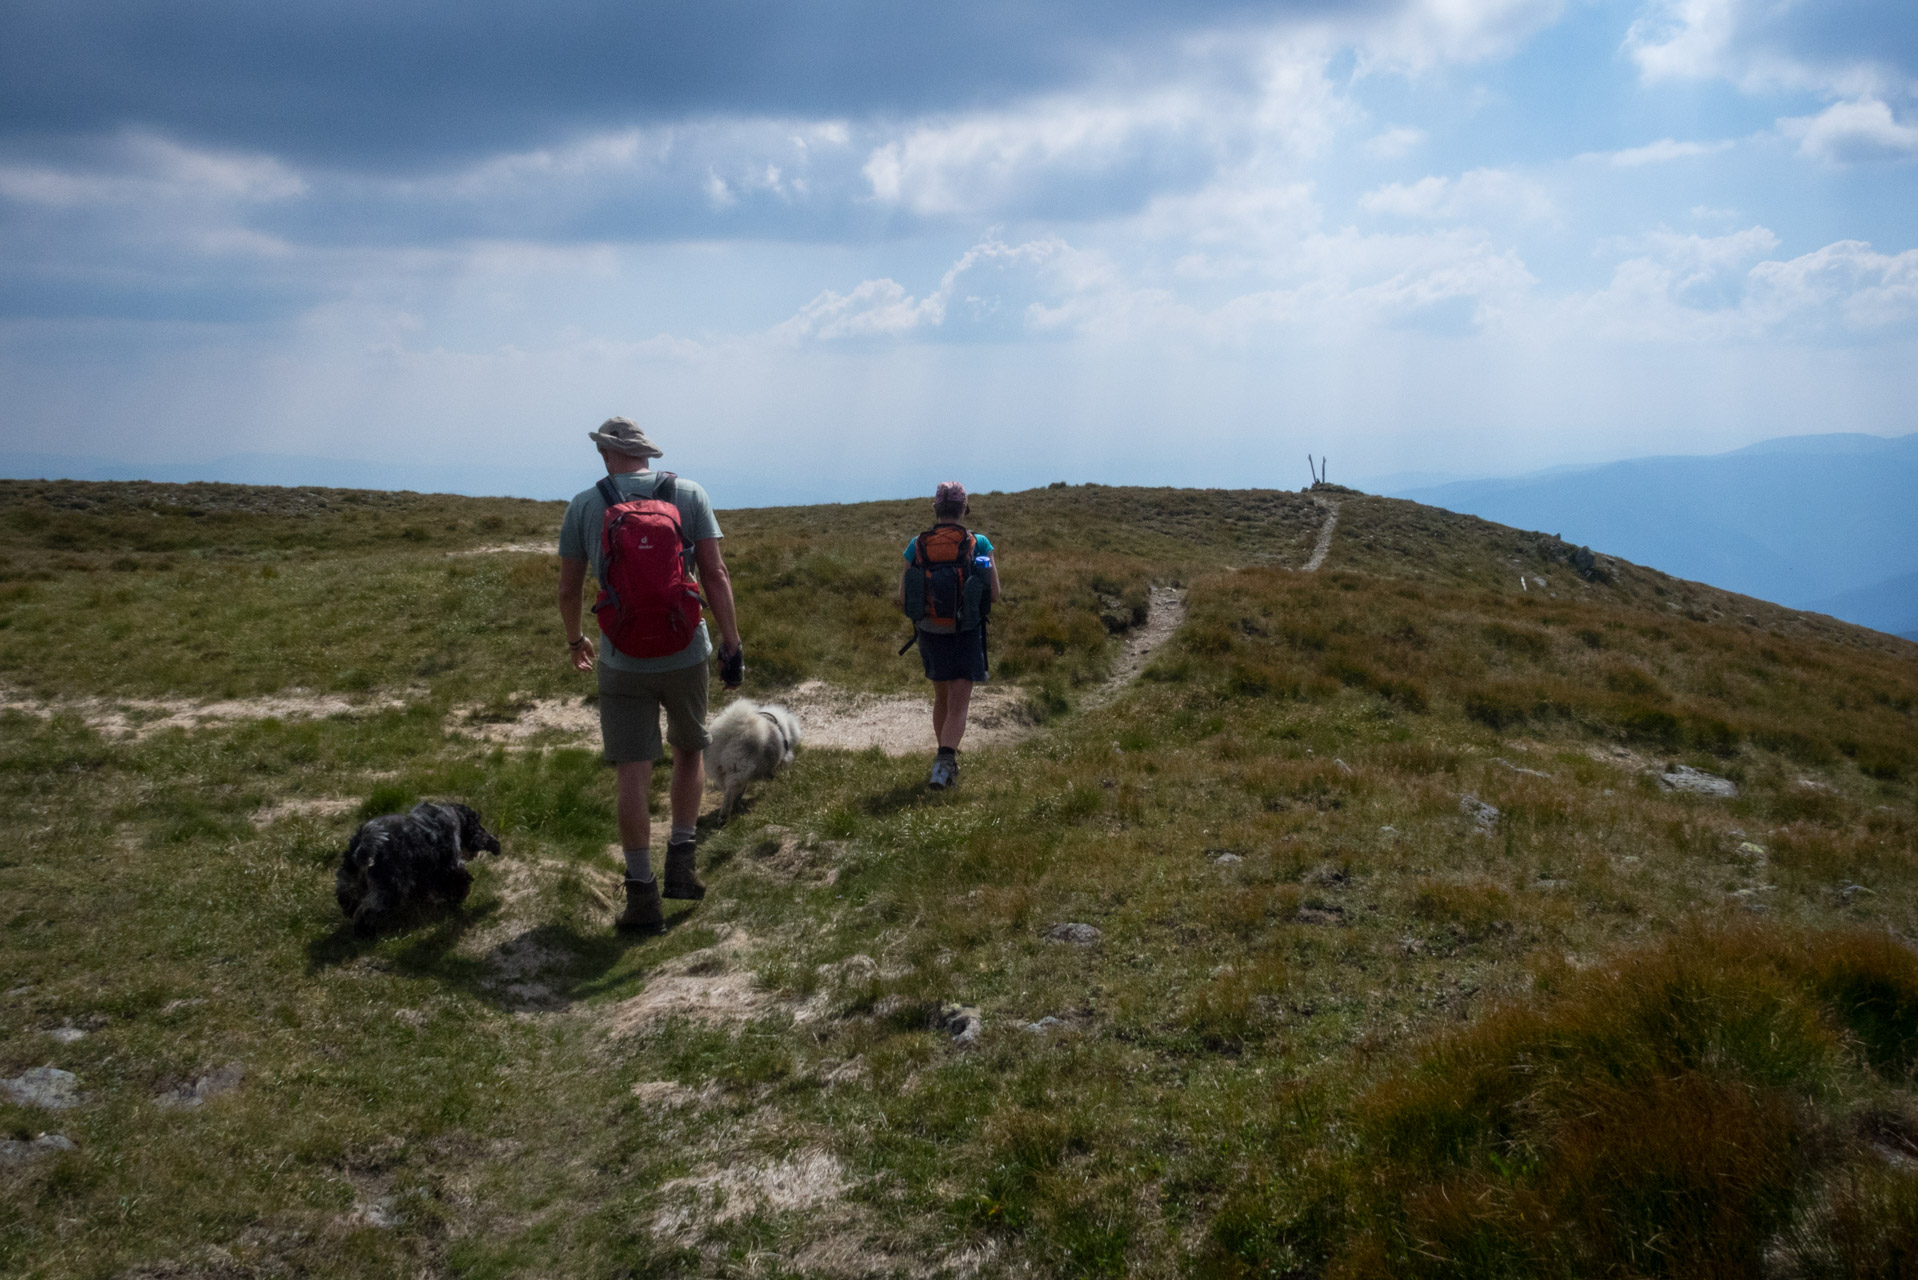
x: 644, y: 533
x: 948, y: 588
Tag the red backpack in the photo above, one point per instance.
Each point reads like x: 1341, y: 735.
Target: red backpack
x: 648, y: 606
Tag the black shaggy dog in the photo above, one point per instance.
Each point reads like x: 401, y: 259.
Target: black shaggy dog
x: 404, y: 859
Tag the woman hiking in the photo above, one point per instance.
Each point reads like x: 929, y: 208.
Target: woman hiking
x: 948, y: 588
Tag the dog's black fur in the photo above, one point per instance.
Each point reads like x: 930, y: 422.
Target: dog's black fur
x: 405, y: 859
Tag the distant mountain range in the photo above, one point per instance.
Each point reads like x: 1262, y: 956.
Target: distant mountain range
x: 1823, y: 523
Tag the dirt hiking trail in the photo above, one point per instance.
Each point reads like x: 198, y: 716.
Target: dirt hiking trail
x: 1323, y: 546
x: 901, y: 724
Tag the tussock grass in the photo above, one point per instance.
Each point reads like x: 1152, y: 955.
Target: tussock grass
x: 1678, y: 1110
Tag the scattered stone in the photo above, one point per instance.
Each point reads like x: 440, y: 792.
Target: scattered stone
x: 67, y: 1035
x: 210, y: 1085
x: 1074, y: 933
x: 962, y: 1022
x: 1044, y: 1025
x: 1388, y: 831
x: 379, y: 1214
x: 1697, y: 782
x: 1343, y: 767
x: 1412, y: 946
x: 1851, y: 891
x: 1321, y: 915
x: 1483, y: 816
x: 13, y: 1151
x: 20, y: 991
x: 174, y: 1006
x: 1751, y: 849
x: 1518, y: 768
x: 1226, y: 858
x: 47, y: 1087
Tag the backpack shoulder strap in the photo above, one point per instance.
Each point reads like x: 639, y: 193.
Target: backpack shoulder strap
x: 609, y: 492
x: 666, y: 490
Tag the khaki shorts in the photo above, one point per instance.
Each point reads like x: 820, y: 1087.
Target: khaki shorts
x: 629, y: 707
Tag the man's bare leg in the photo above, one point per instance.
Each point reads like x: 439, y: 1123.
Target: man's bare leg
x: 634, y: 806
x: 633, y: 781
x: 689, y: 787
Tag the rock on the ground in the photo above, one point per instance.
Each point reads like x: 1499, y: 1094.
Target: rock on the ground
x: 210, y: 1085
x: 67, y: 1035
x: 47, y: 1087
x: 962, y: 1022
x: 1074, y: 933
x: 1484, y: 816
x: 13, y: 1151
x: 1697, y: 782
x: 1044, y: 1026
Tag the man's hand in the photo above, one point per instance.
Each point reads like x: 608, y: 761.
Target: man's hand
x: 732, y: 666
x: 582, y: 654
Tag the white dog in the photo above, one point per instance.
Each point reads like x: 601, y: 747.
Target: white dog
x: 750, y: 743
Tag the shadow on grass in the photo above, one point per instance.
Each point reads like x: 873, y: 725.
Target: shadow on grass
x: 433, y: 931
x: 889, y: 802
x: 542, y: 967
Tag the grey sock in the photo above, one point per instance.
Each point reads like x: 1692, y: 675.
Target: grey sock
x: 684, y: 835
x: 639, y: 864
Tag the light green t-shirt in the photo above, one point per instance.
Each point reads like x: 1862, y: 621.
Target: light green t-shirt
x: 579, y: 540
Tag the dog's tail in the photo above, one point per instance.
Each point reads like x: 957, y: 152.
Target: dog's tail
x: 738, y: 710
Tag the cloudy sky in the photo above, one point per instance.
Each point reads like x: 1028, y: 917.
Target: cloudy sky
x: 842, y: 248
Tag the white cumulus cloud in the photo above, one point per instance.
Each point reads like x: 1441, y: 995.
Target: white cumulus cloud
x: 1762, y: 45
x: 1852, y: 131
x: 883, y: 308
x: 1476, y: 194
x: 1660, y: 152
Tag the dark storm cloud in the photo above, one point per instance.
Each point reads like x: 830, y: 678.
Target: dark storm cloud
x: 377, y: 83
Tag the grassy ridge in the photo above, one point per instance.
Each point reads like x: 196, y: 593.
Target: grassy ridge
x: 1334, y: 1024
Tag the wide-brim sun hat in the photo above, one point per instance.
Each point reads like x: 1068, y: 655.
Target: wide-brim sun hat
x: 623, y: 435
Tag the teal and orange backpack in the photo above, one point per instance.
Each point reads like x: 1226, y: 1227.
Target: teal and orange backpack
x: 949, y: 584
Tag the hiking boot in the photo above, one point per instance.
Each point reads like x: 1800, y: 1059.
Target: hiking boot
x: 642, y: 914
x: 945, y: 773
x: 681, y: 882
